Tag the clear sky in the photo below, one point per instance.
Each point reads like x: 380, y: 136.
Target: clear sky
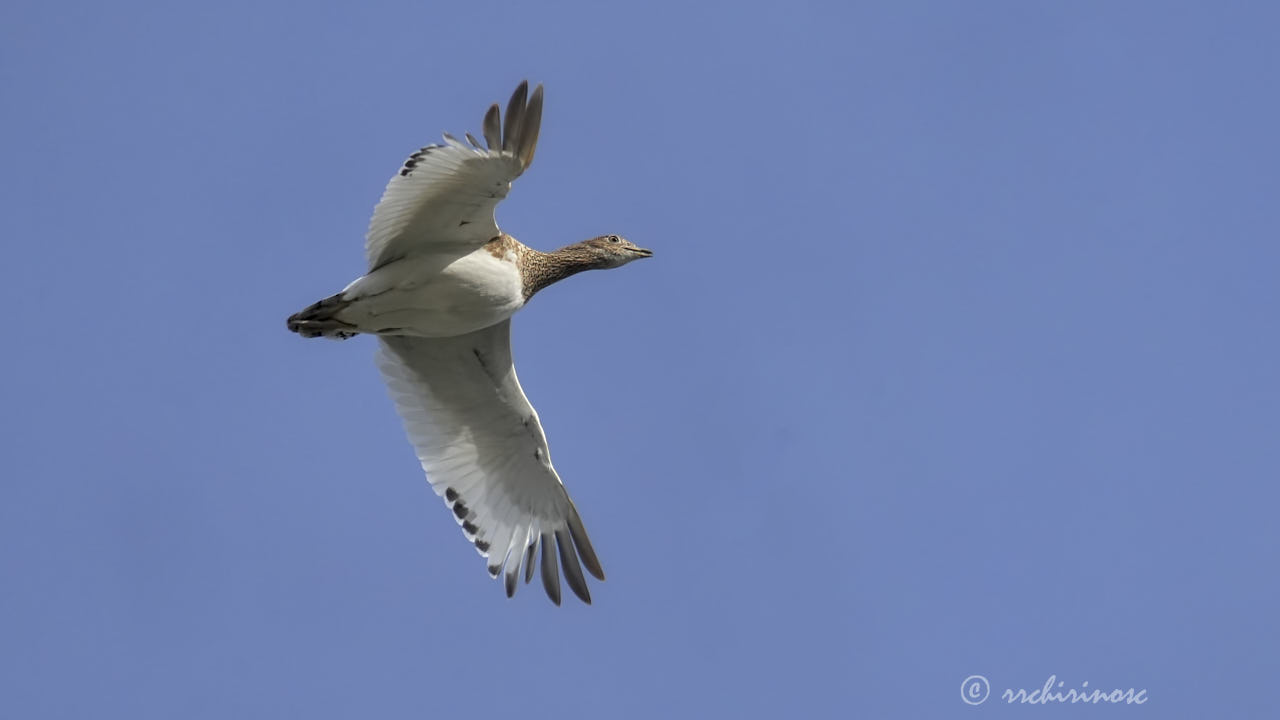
x: 958, y: 356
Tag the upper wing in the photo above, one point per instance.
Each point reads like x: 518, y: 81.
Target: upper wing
x: 484, y: 451
x: 446, y: 194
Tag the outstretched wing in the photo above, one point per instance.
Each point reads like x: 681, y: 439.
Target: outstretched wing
x: 484, y: 451
x: 445, y: 194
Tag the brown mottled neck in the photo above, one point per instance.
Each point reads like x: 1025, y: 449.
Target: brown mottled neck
x: 540, y: 269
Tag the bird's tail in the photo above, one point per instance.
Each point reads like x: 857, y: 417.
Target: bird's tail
x: 319, y: 320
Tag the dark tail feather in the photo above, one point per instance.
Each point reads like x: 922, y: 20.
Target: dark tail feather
x: 317, y: 320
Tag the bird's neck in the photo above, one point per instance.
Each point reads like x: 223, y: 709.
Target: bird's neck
x: 540, y: 269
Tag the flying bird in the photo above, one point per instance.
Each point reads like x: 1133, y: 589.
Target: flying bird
x: 442, y: 285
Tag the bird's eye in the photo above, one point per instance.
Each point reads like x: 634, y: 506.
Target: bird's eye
x: 614, y: 238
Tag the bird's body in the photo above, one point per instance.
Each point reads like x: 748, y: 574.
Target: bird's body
x: 435, y: 294
x: 442, y: 286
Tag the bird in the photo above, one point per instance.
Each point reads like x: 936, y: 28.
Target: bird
x: 442, y: 284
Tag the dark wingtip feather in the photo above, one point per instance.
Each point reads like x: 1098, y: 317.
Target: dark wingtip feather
x: 493, y: 128
x: 529, y: 560
x: 512, y: 575
x: 579, y: 533
x: 550, y: 571
x: 515, y: 116
x: 572, y: 570
x: 530, y: 128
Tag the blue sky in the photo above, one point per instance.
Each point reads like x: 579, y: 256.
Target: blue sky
x: 957, y: 356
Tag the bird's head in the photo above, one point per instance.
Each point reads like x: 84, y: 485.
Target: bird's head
x: 614, y: 250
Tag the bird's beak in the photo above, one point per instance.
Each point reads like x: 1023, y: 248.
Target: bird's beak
x: 641, y: 252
